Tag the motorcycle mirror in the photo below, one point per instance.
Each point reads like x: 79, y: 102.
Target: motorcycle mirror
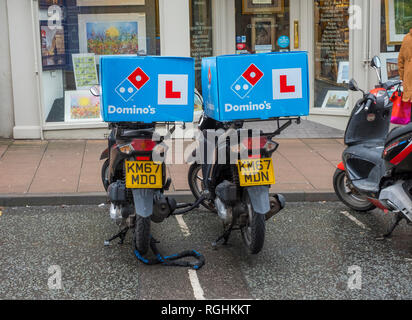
x: 353, y: 85
x: 376, y: 62
x: 95, y: 90
x: 198, y: 98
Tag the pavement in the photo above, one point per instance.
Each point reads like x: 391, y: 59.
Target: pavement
x: 34, y: 172
x: 312, y: 251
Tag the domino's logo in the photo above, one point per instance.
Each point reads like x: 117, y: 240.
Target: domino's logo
x: 129, y: 87
x: 247, y: 81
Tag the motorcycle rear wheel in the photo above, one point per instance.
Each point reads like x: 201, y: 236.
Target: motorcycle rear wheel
x: 253, y: 233
x: 141, y: 235
x: 105, y: 174
x: 196, y: 184
x: 348, y: 196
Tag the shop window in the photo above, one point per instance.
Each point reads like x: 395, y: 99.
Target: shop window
x: 262, y: 26
x: 74, y: 34
x: 201, y: 35
x: 331, y: 54
x: 396, y: 21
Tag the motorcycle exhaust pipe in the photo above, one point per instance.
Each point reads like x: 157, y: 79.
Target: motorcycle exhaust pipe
x: 277, y: 203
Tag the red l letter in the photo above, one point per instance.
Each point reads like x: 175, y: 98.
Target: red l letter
x: 284, y: 88
x: 170, y: 94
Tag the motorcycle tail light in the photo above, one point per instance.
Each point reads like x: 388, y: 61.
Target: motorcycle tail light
x: 143, y: 144
x: 142, y: 158
x: 255, y: 143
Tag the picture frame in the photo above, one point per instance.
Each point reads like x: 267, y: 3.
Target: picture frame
x: 53, y: 46
x: 336, y: 99
x: 81, y: 106
x: 263, y: 6
x: 397, y: 23
x: 101, y: 3
x: 85, y: 71
x: 263, y: 34
x: 112, y: 34
x: 390, y: 70
x: 343, y: 72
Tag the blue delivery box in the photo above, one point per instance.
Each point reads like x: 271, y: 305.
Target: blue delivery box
x: 147, y: 89
x: 256, y: 86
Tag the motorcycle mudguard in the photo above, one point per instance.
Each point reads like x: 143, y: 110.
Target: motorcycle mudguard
x: 105, y: 154
x: 341, y: 166
x: 143, y: 201
x: 259, y: 197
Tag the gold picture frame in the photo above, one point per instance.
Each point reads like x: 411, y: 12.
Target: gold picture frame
x: 263, y: 32
x: 393, y: 37
x: 263, y: 6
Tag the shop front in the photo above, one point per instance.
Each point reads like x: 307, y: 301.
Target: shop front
x: 55, y: 47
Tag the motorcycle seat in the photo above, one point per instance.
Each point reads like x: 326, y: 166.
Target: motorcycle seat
x: 136, y: 132
x: 398, y: 132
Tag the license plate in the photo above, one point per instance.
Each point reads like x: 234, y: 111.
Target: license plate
x: 256, y: 172
x: 143, y: 175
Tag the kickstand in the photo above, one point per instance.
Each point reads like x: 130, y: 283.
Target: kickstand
x: 121, y: 235
x: 399, y: 218
x: 225, y: 236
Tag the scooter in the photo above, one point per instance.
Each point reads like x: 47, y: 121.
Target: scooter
x: 237, y: 191
x: 134, y: 176
x: 376, y: 170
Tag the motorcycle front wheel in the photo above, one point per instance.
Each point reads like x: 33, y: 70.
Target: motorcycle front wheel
x: 349, y: 196
x: 141, y: 235
x: 253, y: 232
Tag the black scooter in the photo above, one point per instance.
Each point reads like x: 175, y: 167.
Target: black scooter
x: 134, y: 176
x: 377, y: 164
x: 238, y: 191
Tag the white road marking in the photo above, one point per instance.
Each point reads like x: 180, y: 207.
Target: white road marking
x: 197, y: 289
x: 194, y: 280
x: 183, y: 225
x: 360, y: 224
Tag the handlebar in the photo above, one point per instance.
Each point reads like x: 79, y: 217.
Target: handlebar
x: 368, y: 104
x: 390, y: 84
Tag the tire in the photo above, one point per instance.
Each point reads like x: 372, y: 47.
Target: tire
x: 196, y: 185
x: 253, y: 233
x: 105, y: 174
x: 349, y: 197
x: 141, y: 236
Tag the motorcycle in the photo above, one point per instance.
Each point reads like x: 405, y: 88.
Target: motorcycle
x: 238, y: 191
x: 134, y: 176
x: 376, y: 170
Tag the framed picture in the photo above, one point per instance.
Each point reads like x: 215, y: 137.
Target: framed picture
x: 53, y: 48
x: 390, y: 69
x: 112, y: 34
x: 47, y: 3
x: 85, y: 71
x: 263, y: 6
x: 343, y: 72
x: 80, y: 106
x: 398, y: 20
x: 263, y: 34
x: 336, y: 99
x: 95, y: 3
